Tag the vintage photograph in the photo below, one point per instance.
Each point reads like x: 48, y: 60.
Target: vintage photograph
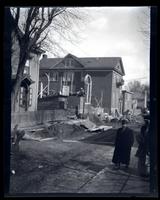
x: 80, y: 101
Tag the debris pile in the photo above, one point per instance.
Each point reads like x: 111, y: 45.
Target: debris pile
x: 39, y: 134
x: 65, y: 130
x: 96, y: 119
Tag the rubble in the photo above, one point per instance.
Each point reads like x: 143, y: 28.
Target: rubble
x: 100, y: 128
x: 27, y: 136
x: 88, y: 124
x: 72, y: 117
x: 66, y: 129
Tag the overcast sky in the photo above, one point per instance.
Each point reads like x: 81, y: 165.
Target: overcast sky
x: 115, y: 31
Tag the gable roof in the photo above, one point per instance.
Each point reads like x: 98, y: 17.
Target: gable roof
x: 102, y: 63
x: 47, y: 63
x: 89, y: 63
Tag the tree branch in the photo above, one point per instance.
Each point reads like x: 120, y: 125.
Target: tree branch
x: 17, y: 16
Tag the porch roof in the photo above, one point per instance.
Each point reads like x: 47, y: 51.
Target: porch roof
x: 25, y: 79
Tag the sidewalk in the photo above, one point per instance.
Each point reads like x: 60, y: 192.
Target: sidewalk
x: 118, y: 181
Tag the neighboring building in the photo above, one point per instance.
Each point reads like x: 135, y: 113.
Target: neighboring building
x: 127, y: 101
x: 28, y: 92
x: 142, y: 99
x: 101, y: 78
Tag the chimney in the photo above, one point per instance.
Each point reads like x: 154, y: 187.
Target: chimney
x: 44, y: 56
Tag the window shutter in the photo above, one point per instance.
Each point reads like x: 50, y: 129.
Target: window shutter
x: 30, y: 96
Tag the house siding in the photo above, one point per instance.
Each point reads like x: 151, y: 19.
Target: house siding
x: 101, y: 87
x: 78, y: 83
x: 116, y: 93
x: 34, y: 75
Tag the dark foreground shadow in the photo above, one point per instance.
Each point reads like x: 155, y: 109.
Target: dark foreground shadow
x: 103, y: 137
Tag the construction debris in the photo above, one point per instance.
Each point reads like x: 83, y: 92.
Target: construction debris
x: 100, y: 128
x: 65, y: 130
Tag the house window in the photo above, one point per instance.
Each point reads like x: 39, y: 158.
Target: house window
x: 27, y: 68
x: 23, y: 99
x: 30, y: 96
x: 67, y: 80
x: 53, y: 76
x: 67, y: 76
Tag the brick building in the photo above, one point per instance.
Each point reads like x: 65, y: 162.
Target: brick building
x: 104, y: 77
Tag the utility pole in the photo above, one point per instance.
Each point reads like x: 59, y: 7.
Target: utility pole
x: 145, y: 99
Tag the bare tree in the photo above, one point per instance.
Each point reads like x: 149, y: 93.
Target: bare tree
x: 137, y: 87
x: 35, y: 28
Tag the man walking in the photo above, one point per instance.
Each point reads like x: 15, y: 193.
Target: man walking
x: 123, y: 144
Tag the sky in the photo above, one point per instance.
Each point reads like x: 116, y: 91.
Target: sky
x: 115, y: 32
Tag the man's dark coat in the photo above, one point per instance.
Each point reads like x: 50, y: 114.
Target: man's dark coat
x: 123, y: 144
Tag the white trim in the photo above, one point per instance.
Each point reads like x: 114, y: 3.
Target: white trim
x: 48, y: 84
x: 72, y: 78
x: 41, y: 89
x: 89, y: 88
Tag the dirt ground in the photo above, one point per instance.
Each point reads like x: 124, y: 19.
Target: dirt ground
x: 62, y: 164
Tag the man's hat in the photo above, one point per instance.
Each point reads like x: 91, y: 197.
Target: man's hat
x: 146, y: 117
x: 124, y: 121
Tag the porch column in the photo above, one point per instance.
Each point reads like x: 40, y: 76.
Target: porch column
x: 48, y: 85
x: 41, y: 89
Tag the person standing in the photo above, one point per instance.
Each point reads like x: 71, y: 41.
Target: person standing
x: 123, y: 143
x: 143, y: 148
x: 17, y: 135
